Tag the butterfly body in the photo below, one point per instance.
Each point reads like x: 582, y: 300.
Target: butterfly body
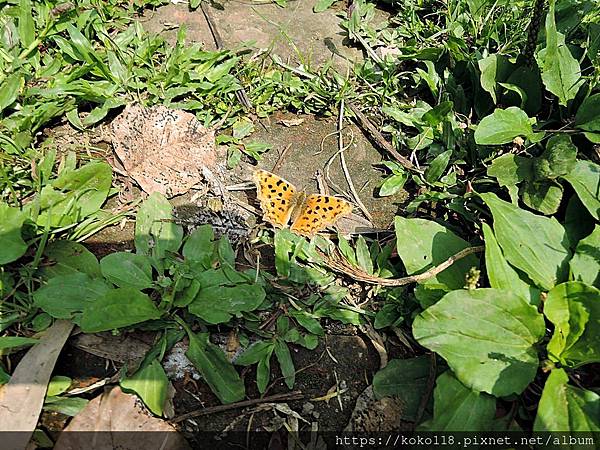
x: 282, y: 203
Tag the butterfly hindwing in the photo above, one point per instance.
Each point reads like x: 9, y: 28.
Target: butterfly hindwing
x: 277, y: 197
x: 319, y: 212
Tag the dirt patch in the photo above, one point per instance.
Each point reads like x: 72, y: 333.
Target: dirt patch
x: 295, y: 32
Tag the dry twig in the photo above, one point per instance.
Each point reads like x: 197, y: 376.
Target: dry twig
x: 294, y: 395
x: 338, y: 263
x: 374, y: 133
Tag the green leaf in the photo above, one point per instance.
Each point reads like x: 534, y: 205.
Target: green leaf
x: 585, y: 264
x: 199, y: 245
x: 393, y: 184
x: 588, y: 114
x: 155, y: 231
x: 75, y: 194
x: 8, y: 342
x: 574, y: 309
x: 500, y: 274
x: 65, y: 296
x: 151, y: 385
x: 216, y: 304
x: 282, y: 352
x: 535, y: 244
x: 585, y: 179
x: 225, y: 251
x: 69, y: 406
x: 363, y: 256
x: 458, y: 408
x: 487, y: 336
x: 544, y: 196
x: 566, y: 408
x: 216, y: 370
x: 12, y: 245
x: 558, y: 159
x: 57, y: 385
x: 561, y: 73
x: 578, y: 221
x: 9, y: 90
x: 255, y: 353
x: 242, y: 128
x: 493, y: 68
x: 322, y: 5
x: 118, y: 308
x: 511, y: 170
x: 127, y: 270
x: 67, y: 257
x: 308, y: 322
x: 407, y: 379
x: 503, y: 125
x: 423, y: 244
x: 438, y: 166
x: 26, y: 23
x: 263, y: 373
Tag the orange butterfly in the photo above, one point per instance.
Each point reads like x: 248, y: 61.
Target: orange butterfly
x: 282, y: 202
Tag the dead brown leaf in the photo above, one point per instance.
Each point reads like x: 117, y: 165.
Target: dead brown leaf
x: 117, y: 420
x: 162, y: 149
x: 291, y: 122
x: 22, y: 398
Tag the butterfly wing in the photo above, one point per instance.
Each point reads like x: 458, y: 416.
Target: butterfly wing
x: 277, y: 197
x: 319, y: 212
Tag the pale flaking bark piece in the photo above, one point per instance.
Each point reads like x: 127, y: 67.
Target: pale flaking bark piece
x: 117, y: 420
x: 22, y: 398
x: 162, y: 149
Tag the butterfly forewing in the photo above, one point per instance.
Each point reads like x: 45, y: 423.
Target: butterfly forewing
x: 319, y: 212
x: 277, y: 197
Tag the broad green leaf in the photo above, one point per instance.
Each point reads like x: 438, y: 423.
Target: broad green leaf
x: 9, y: 90
x: 558, y: 159
x: 151, y: 385
x: 494, y: 68
x: 585, y: 264
x: 282, y: 352
x: 544, y: 196
x: 225, y: 251
x: 438, y: 166
x: 199, y: 245
x: 225, y: 301
x: 503, y: 125
x: 529, y: 81
x: 588, y: 114
x: 12, y: 245
x: 66, y: 257
x: 585, y: 179
x: 216, y: 370
x: 561, y: 73
x: 127, y: 270
x: 309, y: 323
x: 118, y: 308
x: 284, y: 242
x: 406, y: 379
x: 578, y: 223
x: 242, y: 128
x: 423, y: 244
x: 254, y: 353
x: 574, y: 309
x: 511, y: 170
x: 263, y: 372
x: 65, y: 296
x: 57, y: 385
x: 75, y: 194
x: 458, y: 408
x: 26, y: 23
x: 567, y: 408
x: 363, y: 256
x: 500, y: 274
x: 535, y: 244
x: 155, y: 231
x: 487, y: 336
x: 393, y: 184
x: 69, y: 406
x: 8, y: 342
x: 322, y: 5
